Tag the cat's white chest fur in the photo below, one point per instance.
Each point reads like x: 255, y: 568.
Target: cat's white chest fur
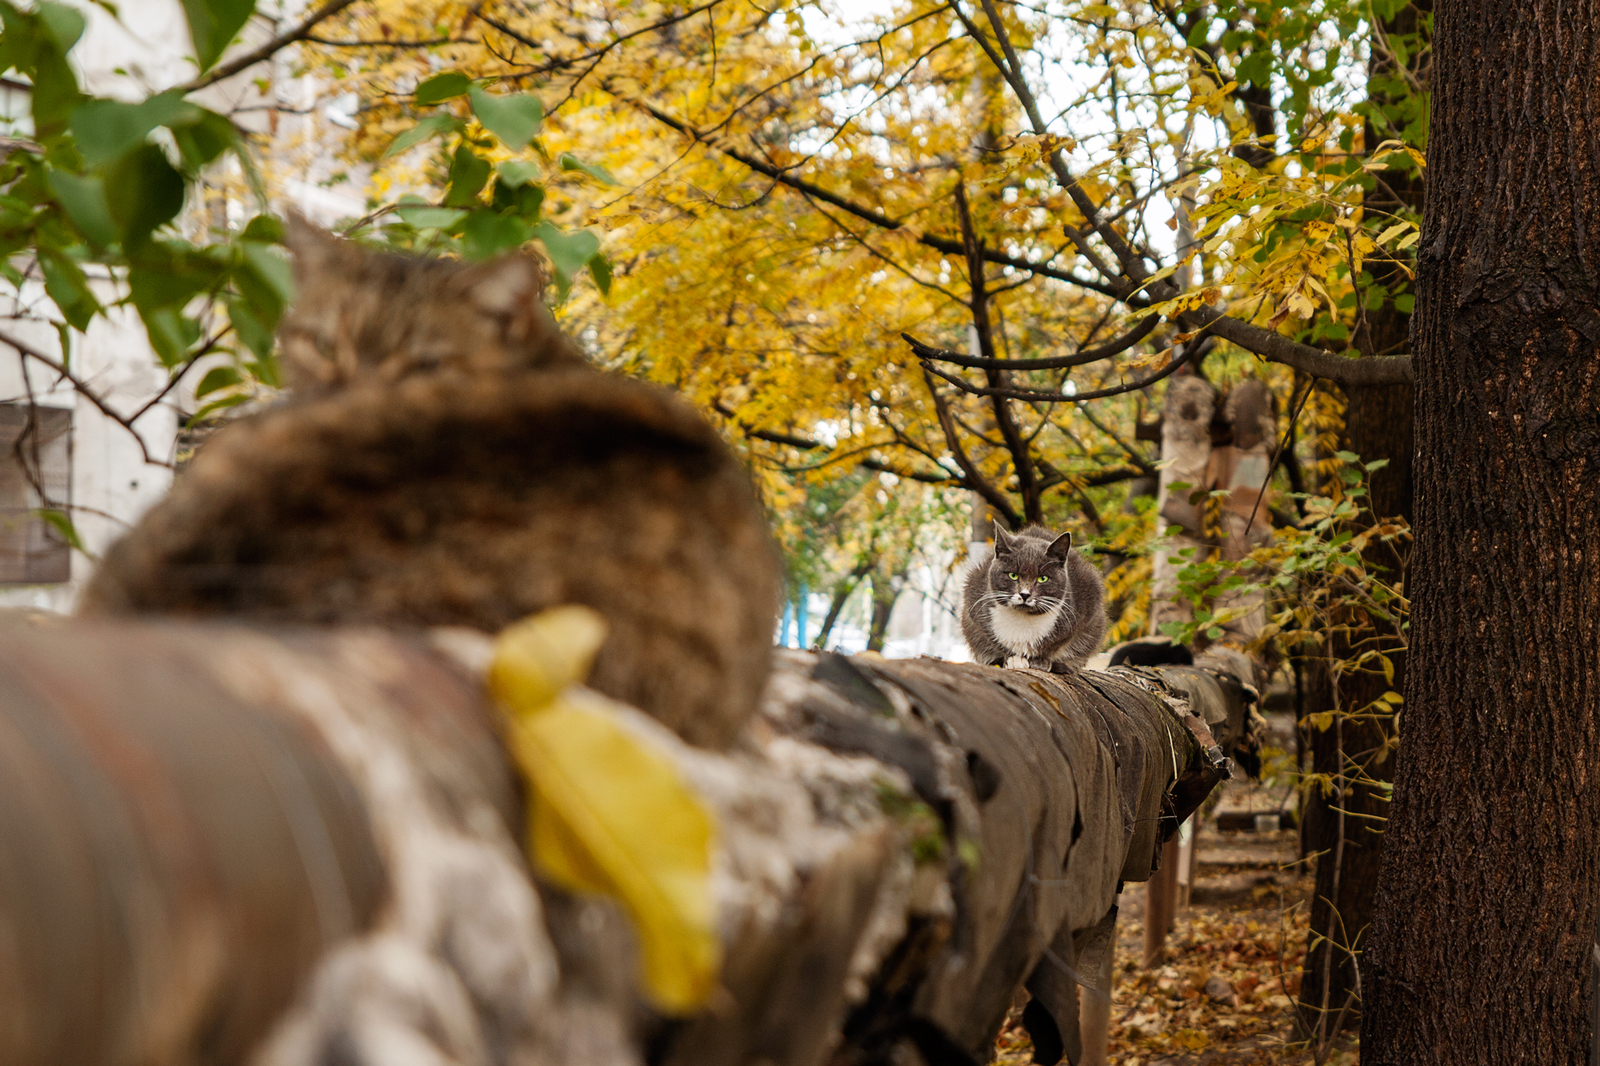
x: 1020, y: 631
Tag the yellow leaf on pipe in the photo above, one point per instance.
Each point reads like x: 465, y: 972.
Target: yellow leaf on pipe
x: 536, y: 658
x: 608, y: 814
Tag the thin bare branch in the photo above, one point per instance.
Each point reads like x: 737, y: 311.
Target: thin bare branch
x: 974, y: 479
x: 83, y: 389
x: 1036, y: 396
x: 1058, y: 362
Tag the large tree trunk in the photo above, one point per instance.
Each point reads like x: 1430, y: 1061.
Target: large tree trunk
x: 225, y: 844
x: 1486, y: 906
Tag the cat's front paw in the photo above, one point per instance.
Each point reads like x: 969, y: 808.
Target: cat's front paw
x: 1016, y: 662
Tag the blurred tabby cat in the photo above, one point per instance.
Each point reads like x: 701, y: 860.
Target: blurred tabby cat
x: 449, y: 459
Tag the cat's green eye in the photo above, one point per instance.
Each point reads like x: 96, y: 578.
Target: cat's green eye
x: 1042, y: 579
x: 1013, y: 577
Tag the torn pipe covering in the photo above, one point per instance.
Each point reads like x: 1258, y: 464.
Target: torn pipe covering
x: 1075, y: 782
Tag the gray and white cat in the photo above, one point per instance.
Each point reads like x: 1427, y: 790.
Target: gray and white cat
x: 1036, y: 604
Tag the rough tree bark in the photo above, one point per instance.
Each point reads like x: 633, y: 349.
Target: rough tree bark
x: 294, y: 847
x: 1486, y: 905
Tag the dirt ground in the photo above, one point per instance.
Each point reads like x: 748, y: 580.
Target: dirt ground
x: 1223, y: 995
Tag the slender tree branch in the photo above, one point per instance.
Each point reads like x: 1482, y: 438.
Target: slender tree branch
x: 83, y: 389
x: 1087, y: 355
x: 380, y: 43
x: 912, y: 475
x: 1005, y: 420
x: 172, y: 383
x: 1109, y: 476
x: 1274, y: 346
x: 806, y: 444
x: 1036, y: 396
x: 596, y: 53
x: 974, y: 477
x: 1138, y: 460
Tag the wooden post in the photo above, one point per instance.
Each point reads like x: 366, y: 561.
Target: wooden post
x: 1094, y: 1017
x: 1160, y: 905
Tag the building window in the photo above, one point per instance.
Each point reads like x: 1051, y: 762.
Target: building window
x: 35, y: 477
x: 16, y: 108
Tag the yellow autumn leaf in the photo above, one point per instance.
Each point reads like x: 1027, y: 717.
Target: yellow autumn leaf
x: 538, y: 657
x: 1394, y: 231
x: 607, y: 814
x: 1318, y: 231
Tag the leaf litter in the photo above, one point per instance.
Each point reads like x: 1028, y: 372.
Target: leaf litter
x: 1224, y: 995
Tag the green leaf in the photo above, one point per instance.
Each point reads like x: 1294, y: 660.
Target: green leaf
x: 1405, y: 303
x: 171, y: 334
x: 514, y: 118
x: 65, y: 283
x: 600, y: 267
x: 66, y: 24
x: 212, y: 25
x: 62, y: 524
x: 214, y: 406
x: 569, y: 252
x: 430, y: 217
x: 265, y: 370
x: 571, y: 162
x: 515, y: 172
x: 1255, y: 69
x: 267, y: 229
x: 218, y: 377
x: 486, y: 234
x: 55, y: 89
x: 428, y: 127
x: 267, y: 281
x: 107, y: 128
x: 522, y: 200
x: 469, y: 171
x: 1347, y: 457
x: 252, y: 173
x: 248, y: 327
x: 143, y: 191
x: 441, y: 87
x: 202, y: 140
x: 170, y: 284
x: 16, y: 39
x: 84, y: 201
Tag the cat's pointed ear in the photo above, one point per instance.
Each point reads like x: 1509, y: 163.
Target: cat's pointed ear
x: 1002, y: 539
x: 1060, y: 546
x: 315, y: 250
x: 505, y: 286
x: 510, y: 288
